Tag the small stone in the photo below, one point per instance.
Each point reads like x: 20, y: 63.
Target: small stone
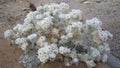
x: 98, y: 1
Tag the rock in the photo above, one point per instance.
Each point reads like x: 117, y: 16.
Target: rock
x: 113, y: 61
x: 30, y: 60
x: 98, y: 1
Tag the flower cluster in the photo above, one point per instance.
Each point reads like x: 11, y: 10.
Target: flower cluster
x: 47, y: 52
x: 53, y: 29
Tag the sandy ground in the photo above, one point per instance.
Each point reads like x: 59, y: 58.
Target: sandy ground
x: 14, y: 11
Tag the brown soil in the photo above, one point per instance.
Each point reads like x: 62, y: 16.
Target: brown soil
x: 14, y: 11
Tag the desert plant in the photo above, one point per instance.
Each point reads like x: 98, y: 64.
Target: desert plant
x: 55, y: 29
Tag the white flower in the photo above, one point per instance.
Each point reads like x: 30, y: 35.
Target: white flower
x: 90, y: 63
x: 29, y: 17
x: 54, y: 48
x: 38, y: 25
x: 27, y: 20
x: 49, y: 8
x: 45, y: 23
x: 73, y: 54
x: 45, y: 44
x: 74, y: 24
x: 55, y: 31
x: 23, y: 40
x: 101, y: 48
x: 43, y: 55
x: 46, y: 7
x: 48, y: 49
x: 41, y: 41
x: 40, y: 16
x: 75, y: 60
x: 103, y: 35
x: 56, y: 6
x: 76, y: 14
x: 26, y: 27
x: 39, y: 8
x: 8, y: 33
x: 109, y: 34
x: 49, y: 19
x: 64, y: 7
x: 54, y: 9
x: 17, y: 35
x: 17, y: 41
x: 95, y: 54
x: 20, y: 41
x: 96, y: 23
x: 24, y: 46
x: 42, y: 38
x: 67, y: 16
x: 62, y: 16
x: 83, y: 57
x: 55, y: 12
x: 52, y: 55
x: 96, y: 37
x: 64, y: 50
x: 40, y: 51
x: 104, y: 57
x: 46, y: 14
x: 68, y: 29
x: 104, y: 48
x: 70, y: 34
x: 18, y: 27
x: 107, y: 48
x: 64, y: 39
x: 54, y: 40
x: 77, y: 25
x: 32, y: 37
